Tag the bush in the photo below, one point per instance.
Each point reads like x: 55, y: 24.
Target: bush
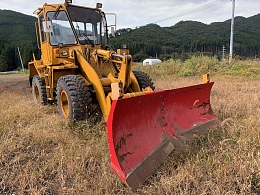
x: 197, y: 66
x: 3, y: 64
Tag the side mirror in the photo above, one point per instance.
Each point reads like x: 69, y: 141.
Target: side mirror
x: 111, y: 18
x: 113, y: 31
x: 47, y: 26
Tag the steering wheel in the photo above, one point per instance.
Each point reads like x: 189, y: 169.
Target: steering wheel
x: 84, y: 37
x: 110, y: 48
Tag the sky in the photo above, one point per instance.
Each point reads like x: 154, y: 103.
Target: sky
x: 136, y: 13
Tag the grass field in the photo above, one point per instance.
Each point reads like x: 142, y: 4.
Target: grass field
x: 44, y: 154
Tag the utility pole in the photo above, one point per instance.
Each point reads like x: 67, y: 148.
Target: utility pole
x: 20, y: 58
x: 232, y: 32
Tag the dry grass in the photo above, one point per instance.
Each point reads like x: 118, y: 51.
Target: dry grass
x: 43, y: 154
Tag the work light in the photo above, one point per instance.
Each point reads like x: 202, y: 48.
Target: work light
x: 99, y: 5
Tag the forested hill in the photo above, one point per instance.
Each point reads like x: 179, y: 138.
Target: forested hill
x: 16, y: 27
x: 191, y: 37
x: 16, y: 30
x: 185, y: 37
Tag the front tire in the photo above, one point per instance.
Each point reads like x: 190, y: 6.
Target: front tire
x: 144, y: 80
x: 39, y: 91
x: 74, y: 97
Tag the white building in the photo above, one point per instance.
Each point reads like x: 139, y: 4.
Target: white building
x: 151, y: 61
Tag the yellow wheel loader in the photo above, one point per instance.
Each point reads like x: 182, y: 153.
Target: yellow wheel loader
x: 79, y: 68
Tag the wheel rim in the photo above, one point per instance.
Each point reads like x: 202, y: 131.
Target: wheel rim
x: 36, y: 94
x: 64, y: 104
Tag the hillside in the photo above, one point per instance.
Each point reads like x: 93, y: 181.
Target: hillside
x: 16, y: 28
x: 191, y: 36
x: 177, y: 41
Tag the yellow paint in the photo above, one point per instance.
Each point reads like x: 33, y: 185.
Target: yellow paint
x: 99, y: 67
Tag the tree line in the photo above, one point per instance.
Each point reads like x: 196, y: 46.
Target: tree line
x: 192, y: 38
x: 10, y: 59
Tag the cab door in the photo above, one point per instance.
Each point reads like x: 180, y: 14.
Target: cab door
x: 45, y: 46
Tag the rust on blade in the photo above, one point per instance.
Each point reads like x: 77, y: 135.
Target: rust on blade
x: 162, y: 122
x: 121, y: 142
x: 122, y: 157
x: 205, y: 105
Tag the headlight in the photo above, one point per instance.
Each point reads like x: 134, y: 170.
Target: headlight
x: 64, y: 53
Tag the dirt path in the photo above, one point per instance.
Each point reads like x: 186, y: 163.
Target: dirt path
x: 13, y: 83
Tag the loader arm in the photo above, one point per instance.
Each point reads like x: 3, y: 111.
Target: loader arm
x: 125, y: 62
x: 125, y: 71
x: 90, y: 74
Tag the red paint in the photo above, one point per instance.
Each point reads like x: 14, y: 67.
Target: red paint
x: 138, y: 125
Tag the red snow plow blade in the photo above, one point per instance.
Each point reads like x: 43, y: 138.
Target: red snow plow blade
x: 143, y: 130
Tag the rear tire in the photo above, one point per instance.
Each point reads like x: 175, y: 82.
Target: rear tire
x: 39, y: 91
x: 74, y: 97
x: 144, y: 80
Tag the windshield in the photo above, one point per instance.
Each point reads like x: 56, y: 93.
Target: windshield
x: 87, y: 23
x: 62, y: 32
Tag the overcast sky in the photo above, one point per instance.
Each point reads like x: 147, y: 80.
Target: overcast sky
x: 135, y: 13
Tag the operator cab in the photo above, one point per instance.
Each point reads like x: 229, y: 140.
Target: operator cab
x: 76, y: 25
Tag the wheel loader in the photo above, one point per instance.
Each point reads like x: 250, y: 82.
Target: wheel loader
x: 79, y: 69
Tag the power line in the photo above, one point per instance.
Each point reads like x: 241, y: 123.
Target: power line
x: 206, y: 6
